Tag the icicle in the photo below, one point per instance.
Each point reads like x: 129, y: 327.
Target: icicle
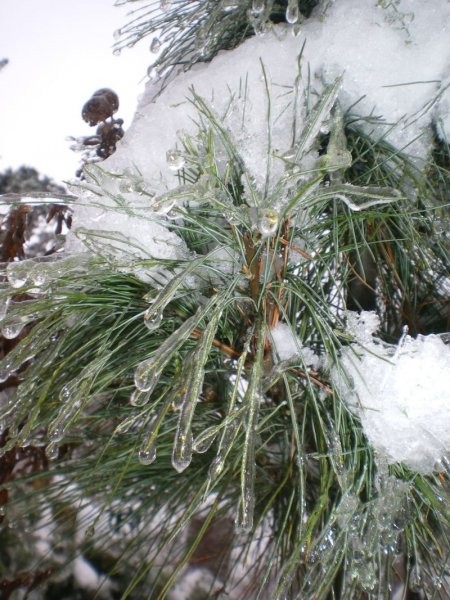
x: 147, y: 451
x: 71, y: 399
x: 292, y: 12
x: 182, y: 450
x: 226, y: 441
x: 148, y: 372
x: 244, y: 519
x: 231, y: 424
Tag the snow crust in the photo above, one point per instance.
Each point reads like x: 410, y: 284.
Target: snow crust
x: 400, y: 394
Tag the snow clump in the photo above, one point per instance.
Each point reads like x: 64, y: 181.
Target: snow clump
x: 399, y: 393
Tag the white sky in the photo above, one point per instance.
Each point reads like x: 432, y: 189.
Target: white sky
x: 59, y: 53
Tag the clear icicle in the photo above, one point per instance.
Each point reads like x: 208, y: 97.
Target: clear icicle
x: 182, y: 450
x: 147, y: 451
x: 231, y: 425
x: 252, y: 396
x: 148, y: 372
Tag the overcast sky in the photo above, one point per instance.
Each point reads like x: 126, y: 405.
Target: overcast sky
x: 60, y: 52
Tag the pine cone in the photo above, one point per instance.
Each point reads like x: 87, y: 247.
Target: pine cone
x: 102, y: 105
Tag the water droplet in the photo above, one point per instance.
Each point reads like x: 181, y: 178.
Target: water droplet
x: 12, y: 330
x: 155, y: 46
x: 117, y: 51
x: 52, y: 451
x: 292, y: 12
x: 175, y: 160
x: 117, y: 34
x: 147, y: 456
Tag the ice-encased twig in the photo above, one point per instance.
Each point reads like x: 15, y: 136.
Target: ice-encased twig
x: 154, y: 313
x: 149, y: 371
x: 251, y: 399
x: 182, y: 450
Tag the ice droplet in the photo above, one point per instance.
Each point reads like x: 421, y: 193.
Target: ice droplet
x: 52, y: 451
x: 147, y: 456
x: 182, y: 451
x: 155, y: 46
x: 12, y: 330
x: 204, y: 440
x: 292, y: 12
x: 175, y: 160
x: 152, y: 319
x: 146, y: 378
x: 139, y: 398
